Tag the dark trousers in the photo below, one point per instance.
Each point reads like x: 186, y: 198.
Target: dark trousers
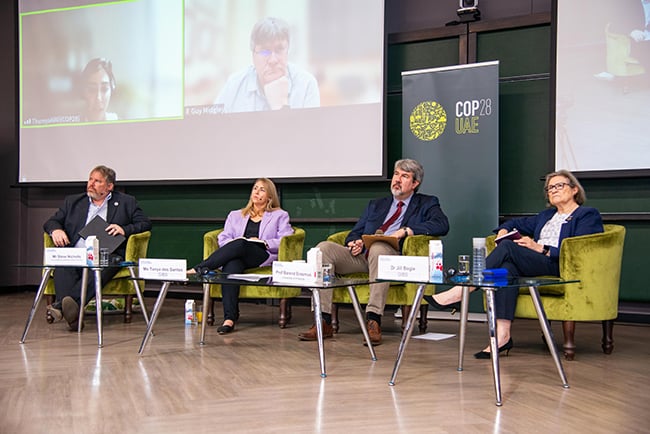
x: 67, y: 282
x: 234, y: 257
x: 520, y: 262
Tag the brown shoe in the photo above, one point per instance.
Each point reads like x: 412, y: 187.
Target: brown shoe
x: 310, y: 335
x: 374, y: 331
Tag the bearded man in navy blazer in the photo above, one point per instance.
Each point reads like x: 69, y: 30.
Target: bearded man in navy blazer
x: 404, y: 213
x: 123, y: 215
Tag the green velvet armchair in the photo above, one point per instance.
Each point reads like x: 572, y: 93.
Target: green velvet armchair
x: 595, y: 260
x: 120, y: 285
x: 400, y: 294
x: 290, y: 249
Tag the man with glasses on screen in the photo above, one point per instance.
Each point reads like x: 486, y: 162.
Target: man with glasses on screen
x: 271, y: 82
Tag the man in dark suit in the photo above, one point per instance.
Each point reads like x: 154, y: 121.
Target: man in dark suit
x: 124, y: 217
x: 403, y: 214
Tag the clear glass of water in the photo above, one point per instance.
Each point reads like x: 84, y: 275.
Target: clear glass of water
x: 463, y: 265
x: 103, y: 257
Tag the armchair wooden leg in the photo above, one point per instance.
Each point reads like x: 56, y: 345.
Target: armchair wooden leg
x: 424, y: 310
x: 335, y: 317
x: 285, y: 312
x: 406, y: 310
x: 569, y: 328
x: 210, y: 319
x: 128, y: 308
x: 49, y: 299
x: 608, y: 336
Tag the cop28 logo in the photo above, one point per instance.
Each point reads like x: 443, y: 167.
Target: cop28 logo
x: 428, y: 121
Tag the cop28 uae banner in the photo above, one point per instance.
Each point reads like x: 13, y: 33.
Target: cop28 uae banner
x: 450, y: 123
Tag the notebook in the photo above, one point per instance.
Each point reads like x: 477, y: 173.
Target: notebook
x: 97, y: 226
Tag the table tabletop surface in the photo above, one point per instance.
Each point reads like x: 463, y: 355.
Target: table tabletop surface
x: 508, y: 282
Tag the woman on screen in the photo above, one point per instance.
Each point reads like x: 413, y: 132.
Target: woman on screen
x: 536, y: 252
x: 98, y: 85
x: 250, y: 238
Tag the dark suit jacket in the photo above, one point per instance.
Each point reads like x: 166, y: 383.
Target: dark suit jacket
x: 423, y: 215
x: 583, y: 221
x: 122, y: 209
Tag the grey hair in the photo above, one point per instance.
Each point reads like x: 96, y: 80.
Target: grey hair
x: 580, y: 197
x: 106, y: 172
x: 268, y: 29
x: 411, y: 166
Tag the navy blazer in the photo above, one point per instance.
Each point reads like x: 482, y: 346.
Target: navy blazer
x: 122, y: 210
x: 423, y: 215
x: 583, y: 221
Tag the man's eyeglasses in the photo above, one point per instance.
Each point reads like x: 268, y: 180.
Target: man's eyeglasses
x: 559, y: 186
x: 266, y: 53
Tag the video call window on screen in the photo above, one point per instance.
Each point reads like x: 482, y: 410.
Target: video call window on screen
x: 102, y: 62
x: 201, y: 78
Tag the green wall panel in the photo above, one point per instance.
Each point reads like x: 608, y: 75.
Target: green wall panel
x: 521, y: 51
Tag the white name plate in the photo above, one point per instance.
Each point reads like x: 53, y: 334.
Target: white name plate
x: 73, y: 256
x: 403, y: 268
x: 294, y: 272
x: 162, y: 269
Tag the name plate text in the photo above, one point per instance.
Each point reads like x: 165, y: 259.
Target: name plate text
x: 73, y: 256
x: 294, y: 272
x: 162, y: 269
x: 403, y: 268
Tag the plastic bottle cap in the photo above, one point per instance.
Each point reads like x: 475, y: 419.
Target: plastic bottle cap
x: 477, y: 243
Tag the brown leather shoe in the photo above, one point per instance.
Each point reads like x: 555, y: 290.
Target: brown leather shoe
x: 374, y: 331
x: 310, y: 335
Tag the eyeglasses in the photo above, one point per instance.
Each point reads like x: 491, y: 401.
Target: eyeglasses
x: 266, y: 53
x: 559, y: 186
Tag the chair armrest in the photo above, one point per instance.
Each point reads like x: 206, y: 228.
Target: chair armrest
x: 338, y: 237
x: 417, y: 245
x: 210, y: 242
x: 47, y: 241
x: 137, y: 245
x: 291, y: 246
x: 596, y: 254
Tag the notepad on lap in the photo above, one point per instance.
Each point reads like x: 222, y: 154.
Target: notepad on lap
x: 368, y: 240
x: 97, y: 226
x: 512, y: 235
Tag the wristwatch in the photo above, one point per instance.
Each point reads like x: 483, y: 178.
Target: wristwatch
x: 546, y: 249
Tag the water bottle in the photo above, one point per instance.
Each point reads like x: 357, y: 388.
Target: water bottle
x: 478, y: 258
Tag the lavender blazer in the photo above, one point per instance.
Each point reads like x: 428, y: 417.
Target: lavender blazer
x: 274, y: 225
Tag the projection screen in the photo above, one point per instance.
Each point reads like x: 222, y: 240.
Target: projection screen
x: 603, y: 87
x: 173, y: 90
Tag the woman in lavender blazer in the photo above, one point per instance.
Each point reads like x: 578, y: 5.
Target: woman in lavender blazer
x: 250, y: 238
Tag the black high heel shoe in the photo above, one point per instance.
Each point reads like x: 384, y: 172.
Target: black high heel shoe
x: 225, y: 329
x: 453, y: 307
x: 505, y: 347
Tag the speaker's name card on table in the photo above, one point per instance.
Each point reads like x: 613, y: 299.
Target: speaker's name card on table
x: 403, y: 268
x: 294, y: 272
x: 73, y: 256
x: 162, y: 269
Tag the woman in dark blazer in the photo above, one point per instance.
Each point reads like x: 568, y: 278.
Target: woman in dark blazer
x: 536, y: 252
x: 250, y: 238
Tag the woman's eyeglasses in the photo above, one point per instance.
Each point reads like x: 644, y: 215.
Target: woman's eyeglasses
x: 559, y: 186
